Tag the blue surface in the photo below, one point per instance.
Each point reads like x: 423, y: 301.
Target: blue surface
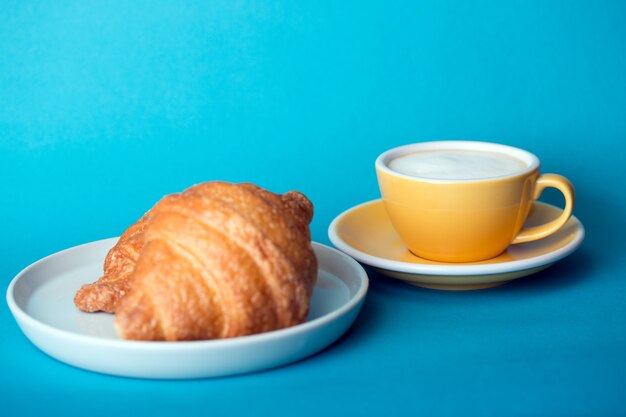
x: 106, y: 106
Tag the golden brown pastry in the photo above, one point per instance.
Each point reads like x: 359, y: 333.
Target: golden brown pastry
x: 219, y: 260
x: 104, y: 294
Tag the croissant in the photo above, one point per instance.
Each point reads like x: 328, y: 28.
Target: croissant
x: 216, y: 261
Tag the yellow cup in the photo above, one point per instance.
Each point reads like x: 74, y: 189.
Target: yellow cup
x: 466, y: 220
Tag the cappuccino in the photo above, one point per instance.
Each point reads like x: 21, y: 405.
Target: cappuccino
x: 456, y: 164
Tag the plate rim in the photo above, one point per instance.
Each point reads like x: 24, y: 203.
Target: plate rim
x: 20, y: 315
x: 452, y: 269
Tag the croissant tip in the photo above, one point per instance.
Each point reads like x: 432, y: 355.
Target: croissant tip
x: 300, y: 204
x: 98, y: 297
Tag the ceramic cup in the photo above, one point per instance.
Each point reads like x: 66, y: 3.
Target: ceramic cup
x: 467, y: 220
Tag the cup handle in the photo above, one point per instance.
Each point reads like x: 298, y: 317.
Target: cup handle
x: 564, y: 186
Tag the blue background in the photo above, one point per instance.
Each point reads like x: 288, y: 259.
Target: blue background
x: 107, y: 106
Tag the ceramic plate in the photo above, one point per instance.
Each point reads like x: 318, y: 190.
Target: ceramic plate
x: 40, y: 298
x: 365, y: 233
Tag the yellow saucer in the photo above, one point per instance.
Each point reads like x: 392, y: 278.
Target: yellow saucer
x: 365, y: 233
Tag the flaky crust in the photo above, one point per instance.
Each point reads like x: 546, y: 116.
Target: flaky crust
x: 106, y: 292
x: 219, y: 260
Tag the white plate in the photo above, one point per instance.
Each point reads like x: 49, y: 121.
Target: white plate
x: 366, y: 233
x: 40, y: 298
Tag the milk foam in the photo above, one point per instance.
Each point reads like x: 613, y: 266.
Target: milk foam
x: 453, y: 164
